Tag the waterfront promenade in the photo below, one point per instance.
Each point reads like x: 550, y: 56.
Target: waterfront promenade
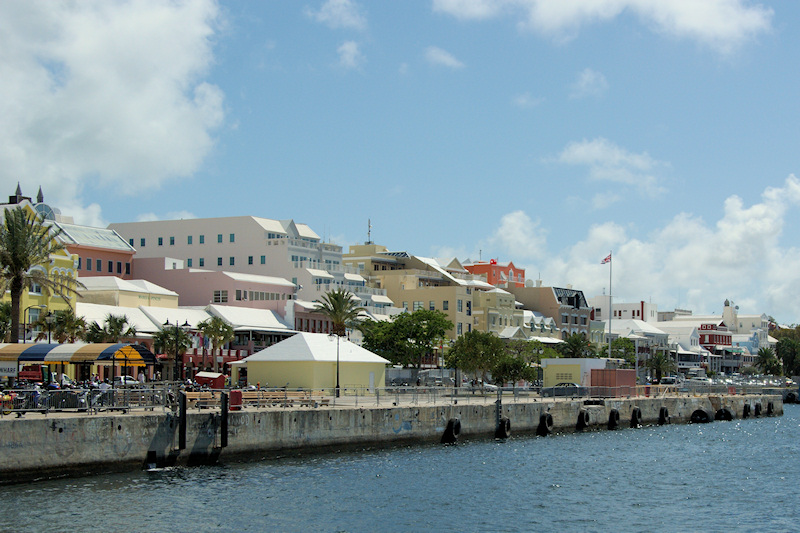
x: 59, y: 442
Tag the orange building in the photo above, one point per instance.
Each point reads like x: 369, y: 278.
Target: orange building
x: 498, y: 274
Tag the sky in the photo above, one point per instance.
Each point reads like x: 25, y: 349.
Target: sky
x: 545, y: 133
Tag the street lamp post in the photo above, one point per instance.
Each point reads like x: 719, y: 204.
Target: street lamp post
x: 49, y: 318
x: 337, y: 362
x: 25, y: 313
x: 176, y: 374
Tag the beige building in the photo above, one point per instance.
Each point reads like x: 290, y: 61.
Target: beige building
x: 567, y: 307
x: 110, y: 290
x: 414, y: 282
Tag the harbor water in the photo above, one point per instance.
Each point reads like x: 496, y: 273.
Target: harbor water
x: 724, y: 476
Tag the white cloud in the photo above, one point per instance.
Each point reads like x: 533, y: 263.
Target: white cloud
x: 522, y: 236
x: 350, y: 57
x: 605, y: 200
x: 527, y: 100
x: 589, y: 83
x: 105, y: 93
x: 339, y: 14
x: 609, y: 162
x: 723, y: 25
x: 437, y: 56
x: 688, y: 262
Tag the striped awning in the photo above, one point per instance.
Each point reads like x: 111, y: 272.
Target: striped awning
x: 125, y: 354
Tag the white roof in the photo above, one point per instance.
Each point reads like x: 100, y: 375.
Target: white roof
x: 181, y: 315
x: 246, y: 318
x: 319, y: 273
x: 110, y: 283
x: 353, y: 277
x: 381, y: 299
x: 98, y: 313
x: 318, y: 347
x: 257, y: 278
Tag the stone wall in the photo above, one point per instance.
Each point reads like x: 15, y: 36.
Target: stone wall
x: 59, y: 445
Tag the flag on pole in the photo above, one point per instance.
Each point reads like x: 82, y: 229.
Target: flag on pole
x: 606, y: 260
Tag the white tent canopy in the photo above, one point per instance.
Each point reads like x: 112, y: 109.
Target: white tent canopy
x: 318, y: 347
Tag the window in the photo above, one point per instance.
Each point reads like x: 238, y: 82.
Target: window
x: 99, y: 264
x: 239, y: 294
x: 202, y: 239
x: 172, y: 241
x: 417, y: 306
x: 432, y: 305
x: 111, y: 267
x: 231, y: 261
x: 405, y: 306
x: 219, y: 261
x: 189, y: 262
x: 189, y: 239
x: 141, y: 242
x: 119, y: 267
x: 161, y: 241
x: 130, y: 241
x: 233, y: 239
x: 249, y: 259
x: 469, y: 308
x: 445, y: 305
x: 459, y: 328
x: 88, y: 263
x: 201, y: 262
x: 219, y: 237
x: 459, y: 305
x: 263, y: 259
x: 220, y: 297
x: 127, y: 269
x: 79, y: 263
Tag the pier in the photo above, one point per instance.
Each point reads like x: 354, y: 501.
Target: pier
x: 63, y: 443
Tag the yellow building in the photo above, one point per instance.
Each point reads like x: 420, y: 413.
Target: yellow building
x: 309, y: 361
x: 35, y: 302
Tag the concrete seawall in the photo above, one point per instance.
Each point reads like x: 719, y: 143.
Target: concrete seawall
x: 41, y: 447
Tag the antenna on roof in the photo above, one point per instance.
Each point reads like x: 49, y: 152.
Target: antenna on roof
x: 369, y: 232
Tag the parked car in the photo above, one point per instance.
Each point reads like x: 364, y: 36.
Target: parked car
x: 125, y: 381
x: 565, y: 389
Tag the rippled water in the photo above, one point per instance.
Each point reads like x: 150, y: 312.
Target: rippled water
x: 725, y: 476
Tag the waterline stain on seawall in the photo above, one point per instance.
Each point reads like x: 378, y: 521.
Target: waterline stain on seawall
x: 129, y: 441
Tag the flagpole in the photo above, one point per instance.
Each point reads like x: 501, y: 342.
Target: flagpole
x: 610, y: 304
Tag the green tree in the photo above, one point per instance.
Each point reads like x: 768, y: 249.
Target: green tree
x: 767, y: 362
x: 114, y: 329
x: 170, y: 340
x: 340, y: 308
x: 576, y: 346
x: 408, y: 338
x: 659, y: 364
x: 5, y: 321
x: 66, y: 326
x: 475, y: 352
x: 621, y: 348
x: 26, y: 241
x: 788, y: 351
x: 217, y: 330
x: 512, y: 368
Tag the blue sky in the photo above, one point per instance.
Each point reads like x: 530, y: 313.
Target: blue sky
x: 547, y: 133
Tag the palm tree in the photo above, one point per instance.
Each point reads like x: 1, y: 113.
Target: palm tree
x: 25, y: 242
x: 114, y: 330
x: 5, y: 321
x: 767, y: 362
x: 340, y: 308
x: 66, y: 326
x: 661, y: 363
x: 576, y: 346
x: 173, y: 341
x: 219, y: 332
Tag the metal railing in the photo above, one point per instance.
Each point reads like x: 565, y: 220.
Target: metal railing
x: 164, y: 396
